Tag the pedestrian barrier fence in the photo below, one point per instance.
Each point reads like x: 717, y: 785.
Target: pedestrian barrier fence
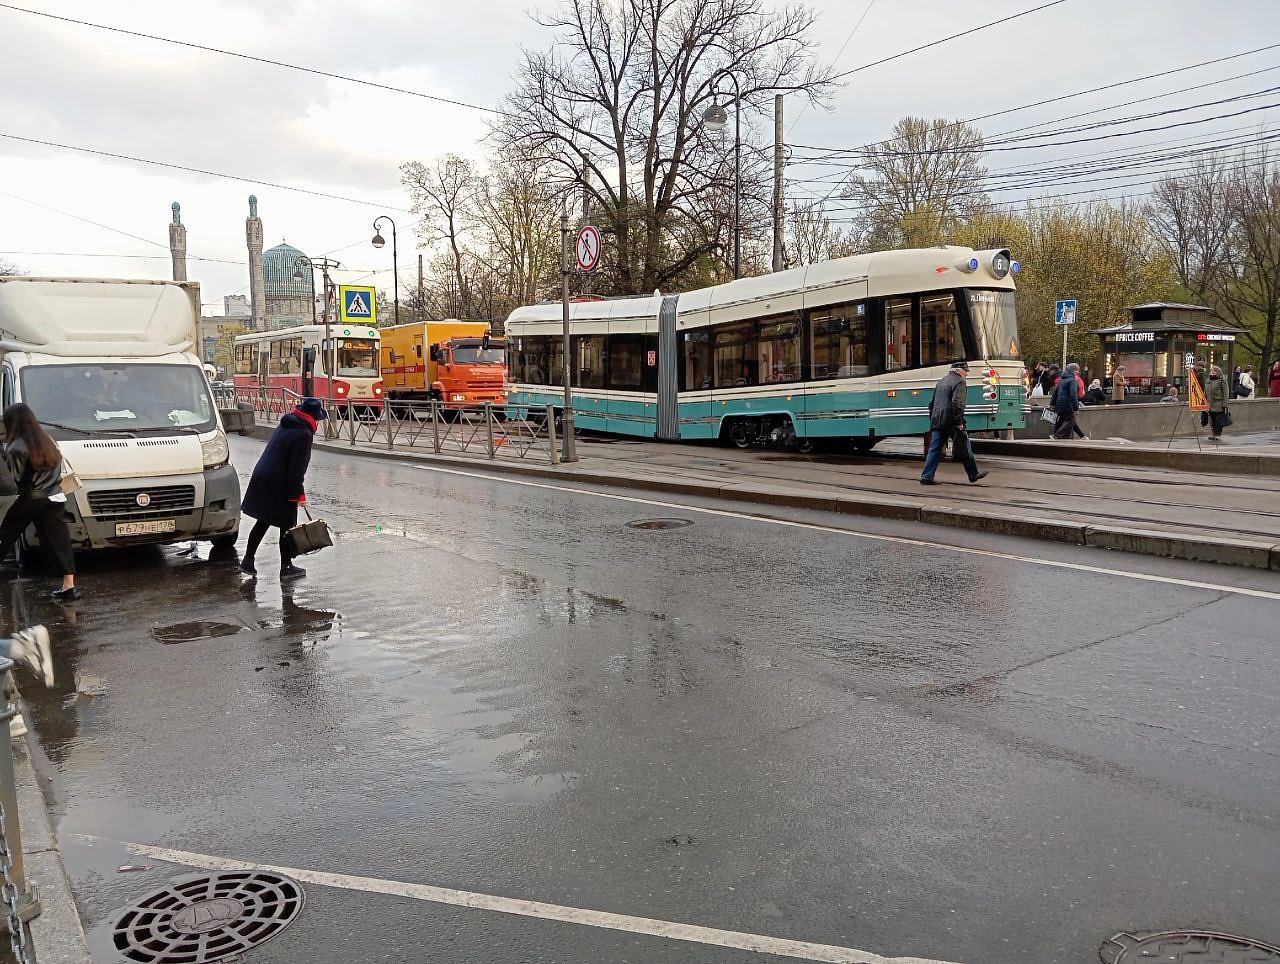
x: 21, y: 902
x: 498, y: 432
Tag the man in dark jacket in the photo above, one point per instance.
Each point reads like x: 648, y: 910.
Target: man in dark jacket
x: 276, y: 489
x: 1066, y: 402
x: 946, y: 421
x: 1216, y: 392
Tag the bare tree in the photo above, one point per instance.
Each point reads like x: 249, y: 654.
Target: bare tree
x: 444, y: 194
x: 616, y: 105
x: 9, y: 267
x: 1191, y: 218
x: 810, y: 236
x: 921, y: 182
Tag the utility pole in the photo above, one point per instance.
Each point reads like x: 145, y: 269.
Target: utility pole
x: 422, y: 297
x: 777, y: 182
x: 568, y: 453
x: 331, y: 348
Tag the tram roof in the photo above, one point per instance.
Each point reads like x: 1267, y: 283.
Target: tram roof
x: 340, y: 329
x: 825, y: 282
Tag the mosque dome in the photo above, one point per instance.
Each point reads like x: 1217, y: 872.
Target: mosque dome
x: 278, y: 267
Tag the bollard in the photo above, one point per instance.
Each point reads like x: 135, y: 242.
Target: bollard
x: 21, y: 903
x: 435, y: 425
x: 551, y: 434
x: 488, y: 427
x: 388, y: 418
x: 351, y: 424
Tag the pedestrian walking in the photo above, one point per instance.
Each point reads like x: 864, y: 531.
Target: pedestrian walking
x: 1274, y: 387
x: 946, y: 422
x: 35, y: 464
x: 1118, y: 382
x: 1049, y: 379
x: 1217, y: 392
x: 1246, y: 384
x: 276, y: 487
x: 1066, y: 402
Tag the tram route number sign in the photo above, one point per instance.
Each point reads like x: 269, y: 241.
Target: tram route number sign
x: 587, y: 247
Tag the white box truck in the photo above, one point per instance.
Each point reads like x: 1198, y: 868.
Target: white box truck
x: 110, y: 370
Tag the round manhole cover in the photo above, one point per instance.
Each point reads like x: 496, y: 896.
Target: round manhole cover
x: 207, y: 917
x: 660, y: 523
x: 1185, y: 947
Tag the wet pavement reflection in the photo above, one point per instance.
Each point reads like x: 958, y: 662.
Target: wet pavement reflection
x: 511, y: 691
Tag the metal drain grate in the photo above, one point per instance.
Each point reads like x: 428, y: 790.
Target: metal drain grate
x: 1187, y: 946
x: 660, y: 523
x: 202, y: 918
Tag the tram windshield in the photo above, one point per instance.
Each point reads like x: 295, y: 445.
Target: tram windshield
x: 357, y: 358
x: 995, y: 322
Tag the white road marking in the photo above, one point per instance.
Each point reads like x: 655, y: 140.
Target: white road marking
x: 876, y: 537
x: 672, y: 930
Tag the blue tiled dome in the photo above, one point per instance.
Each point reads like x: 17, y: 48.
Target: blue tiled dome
x: 278, y: 266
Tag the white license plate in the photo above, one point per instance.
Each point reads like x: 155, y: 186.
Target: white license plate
x: 152, y: 528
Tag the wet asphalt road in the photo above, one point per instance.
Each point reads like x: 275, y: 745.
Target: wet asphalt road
x: 767, y: 729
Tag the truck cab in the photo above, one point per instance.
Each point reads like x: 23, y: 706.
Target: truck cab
x: 470, y: 371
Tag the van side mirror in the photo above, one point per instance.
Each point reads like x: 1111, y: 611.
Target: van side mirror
x: 435, y: 353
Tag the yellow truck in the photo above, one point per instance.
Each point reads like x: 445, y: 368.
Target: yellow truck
x: 458, y: 363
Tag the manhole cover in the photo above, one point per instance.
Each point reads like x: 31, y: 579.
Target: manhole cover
x: 1185, y: 947
x: 198, y: 629
x: 660, y: 523
x: 207, y: 917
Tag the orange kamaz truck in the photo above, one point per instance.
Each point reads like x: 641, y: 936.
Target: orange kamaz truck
x: 459, y: 363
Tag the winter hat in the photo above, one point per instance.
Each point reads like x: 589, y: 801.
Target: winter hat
x: 313, y: 407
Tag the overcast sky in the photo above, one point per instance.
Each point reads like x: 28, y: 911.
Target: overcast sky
x: 76, y: 85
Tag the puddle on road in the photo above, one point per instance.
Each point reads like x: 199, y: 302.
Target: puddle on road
x: 194, y: 630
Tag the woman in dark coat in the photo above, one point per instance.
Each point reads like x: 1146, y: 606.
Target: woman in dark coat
x: 276, y: 487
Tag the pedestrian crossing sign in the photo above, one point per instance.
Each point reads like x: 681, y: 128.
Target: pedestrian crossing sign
x: 358, y: 304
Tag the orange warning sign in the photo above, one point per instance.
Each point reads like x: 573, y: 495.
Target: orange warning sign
x: 1196, y: 400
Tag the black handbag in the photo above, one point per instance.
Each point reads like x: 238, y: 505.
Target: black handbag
x: 1226, y: 418
x: 310, y: 536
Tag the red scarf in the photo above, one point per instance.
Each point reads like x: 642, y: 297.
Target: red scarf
x: 311, y: 422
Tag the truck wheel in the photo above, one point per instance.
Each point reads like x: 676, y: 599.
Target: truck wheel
x: 225, y: 542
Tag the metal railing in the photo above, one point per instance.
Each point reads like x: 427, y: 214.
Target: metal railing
x: 21, y: 902
x: 497, y: 432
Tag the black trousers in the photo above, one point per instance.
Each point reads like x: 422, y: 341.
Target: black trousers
x: 1215, y: 422
x: 1066, y: 426
x: 256, y: 535
x: 50, y: 525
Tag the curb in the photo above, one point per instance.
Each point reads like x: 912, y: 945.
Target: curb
x: 1231, y: 463
x: 1231, y: 552
x: 56, y: 933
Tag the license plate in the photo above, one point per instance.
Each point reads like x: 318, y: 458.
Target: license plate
x: 151, y: 528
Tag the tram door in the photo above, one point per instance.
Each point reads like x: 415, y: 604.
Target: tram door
x: 264, y: 368
x: 309, y: 371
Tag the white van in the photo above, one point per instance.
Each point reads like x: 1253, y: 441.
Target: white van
x: 109, y: 369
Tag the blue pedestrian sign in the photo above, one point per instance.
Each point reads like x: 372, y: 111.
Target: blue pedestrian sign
x: 358, y: 303
x: 1064, y: 312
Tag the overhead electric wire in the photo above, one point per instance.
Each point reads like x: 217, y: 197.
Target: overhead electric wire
x: 834, y: 60
x: 251, y: 57
x: 196, y: 170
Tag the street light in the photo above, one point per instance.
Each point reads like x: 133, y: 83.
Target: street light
x: 715, y: 118
x: 379, y: 242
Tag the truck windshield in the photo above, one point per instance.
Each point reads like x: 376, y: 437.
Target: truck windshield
x: 464, y: 355
x: 93, y: 398
x: 357, y: 358
x: 995, y: 323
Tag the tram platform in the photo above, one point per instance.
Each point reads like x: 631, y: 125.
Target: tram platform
x: 1223, y: 517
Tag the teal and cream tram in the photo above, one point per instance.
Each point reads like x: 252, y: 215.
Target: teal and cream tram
x: 844, y: 349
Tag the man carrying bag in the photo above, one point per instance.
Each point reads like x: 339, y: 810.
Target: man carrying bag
x: 946, y: 421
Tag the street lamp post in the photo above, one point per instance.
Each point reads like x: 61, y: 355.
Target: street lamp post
x: 378, y: 242
x: 715, y: 118
x: 331, y: 351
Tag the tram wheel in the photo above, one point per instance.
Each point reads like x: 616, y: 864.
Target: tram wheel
x: 861, y: 446
x: 804, y: 446
x: 740, y: 435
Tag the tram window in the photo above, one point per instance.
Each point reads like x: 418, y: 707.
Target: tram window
x: 695, y: 360
x: 940, y: 338
x: 899, y: 343
x: 779, y: 343
x: 736, y: 357
x: 626, y: 362
x: 245, y: 355
x: 588, y: 353
x: 543, y: 359
x: 839, y: 346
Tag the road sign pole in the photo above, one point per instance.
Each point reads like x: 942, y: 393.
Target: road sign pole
x: 1064, y: 347
x: 568, y: 452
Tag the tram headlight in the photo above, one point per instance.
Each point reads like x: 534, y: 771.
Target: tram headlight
x: 1000, y: 264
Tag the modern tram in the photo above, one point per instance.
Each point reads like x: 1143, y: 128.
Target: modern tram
x: 299, y: 359
x: 848, y: 349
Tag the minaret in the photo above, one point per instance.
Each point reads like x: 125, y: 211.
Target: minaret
x: 257, y: 283
x: 178, y: 243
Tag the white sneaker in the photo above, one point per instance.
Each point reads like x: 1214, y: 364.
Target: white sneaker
x: 31, y: 646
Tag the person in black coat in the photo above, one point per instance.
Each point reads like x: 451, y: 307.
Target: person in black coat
x: 276, y: 487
